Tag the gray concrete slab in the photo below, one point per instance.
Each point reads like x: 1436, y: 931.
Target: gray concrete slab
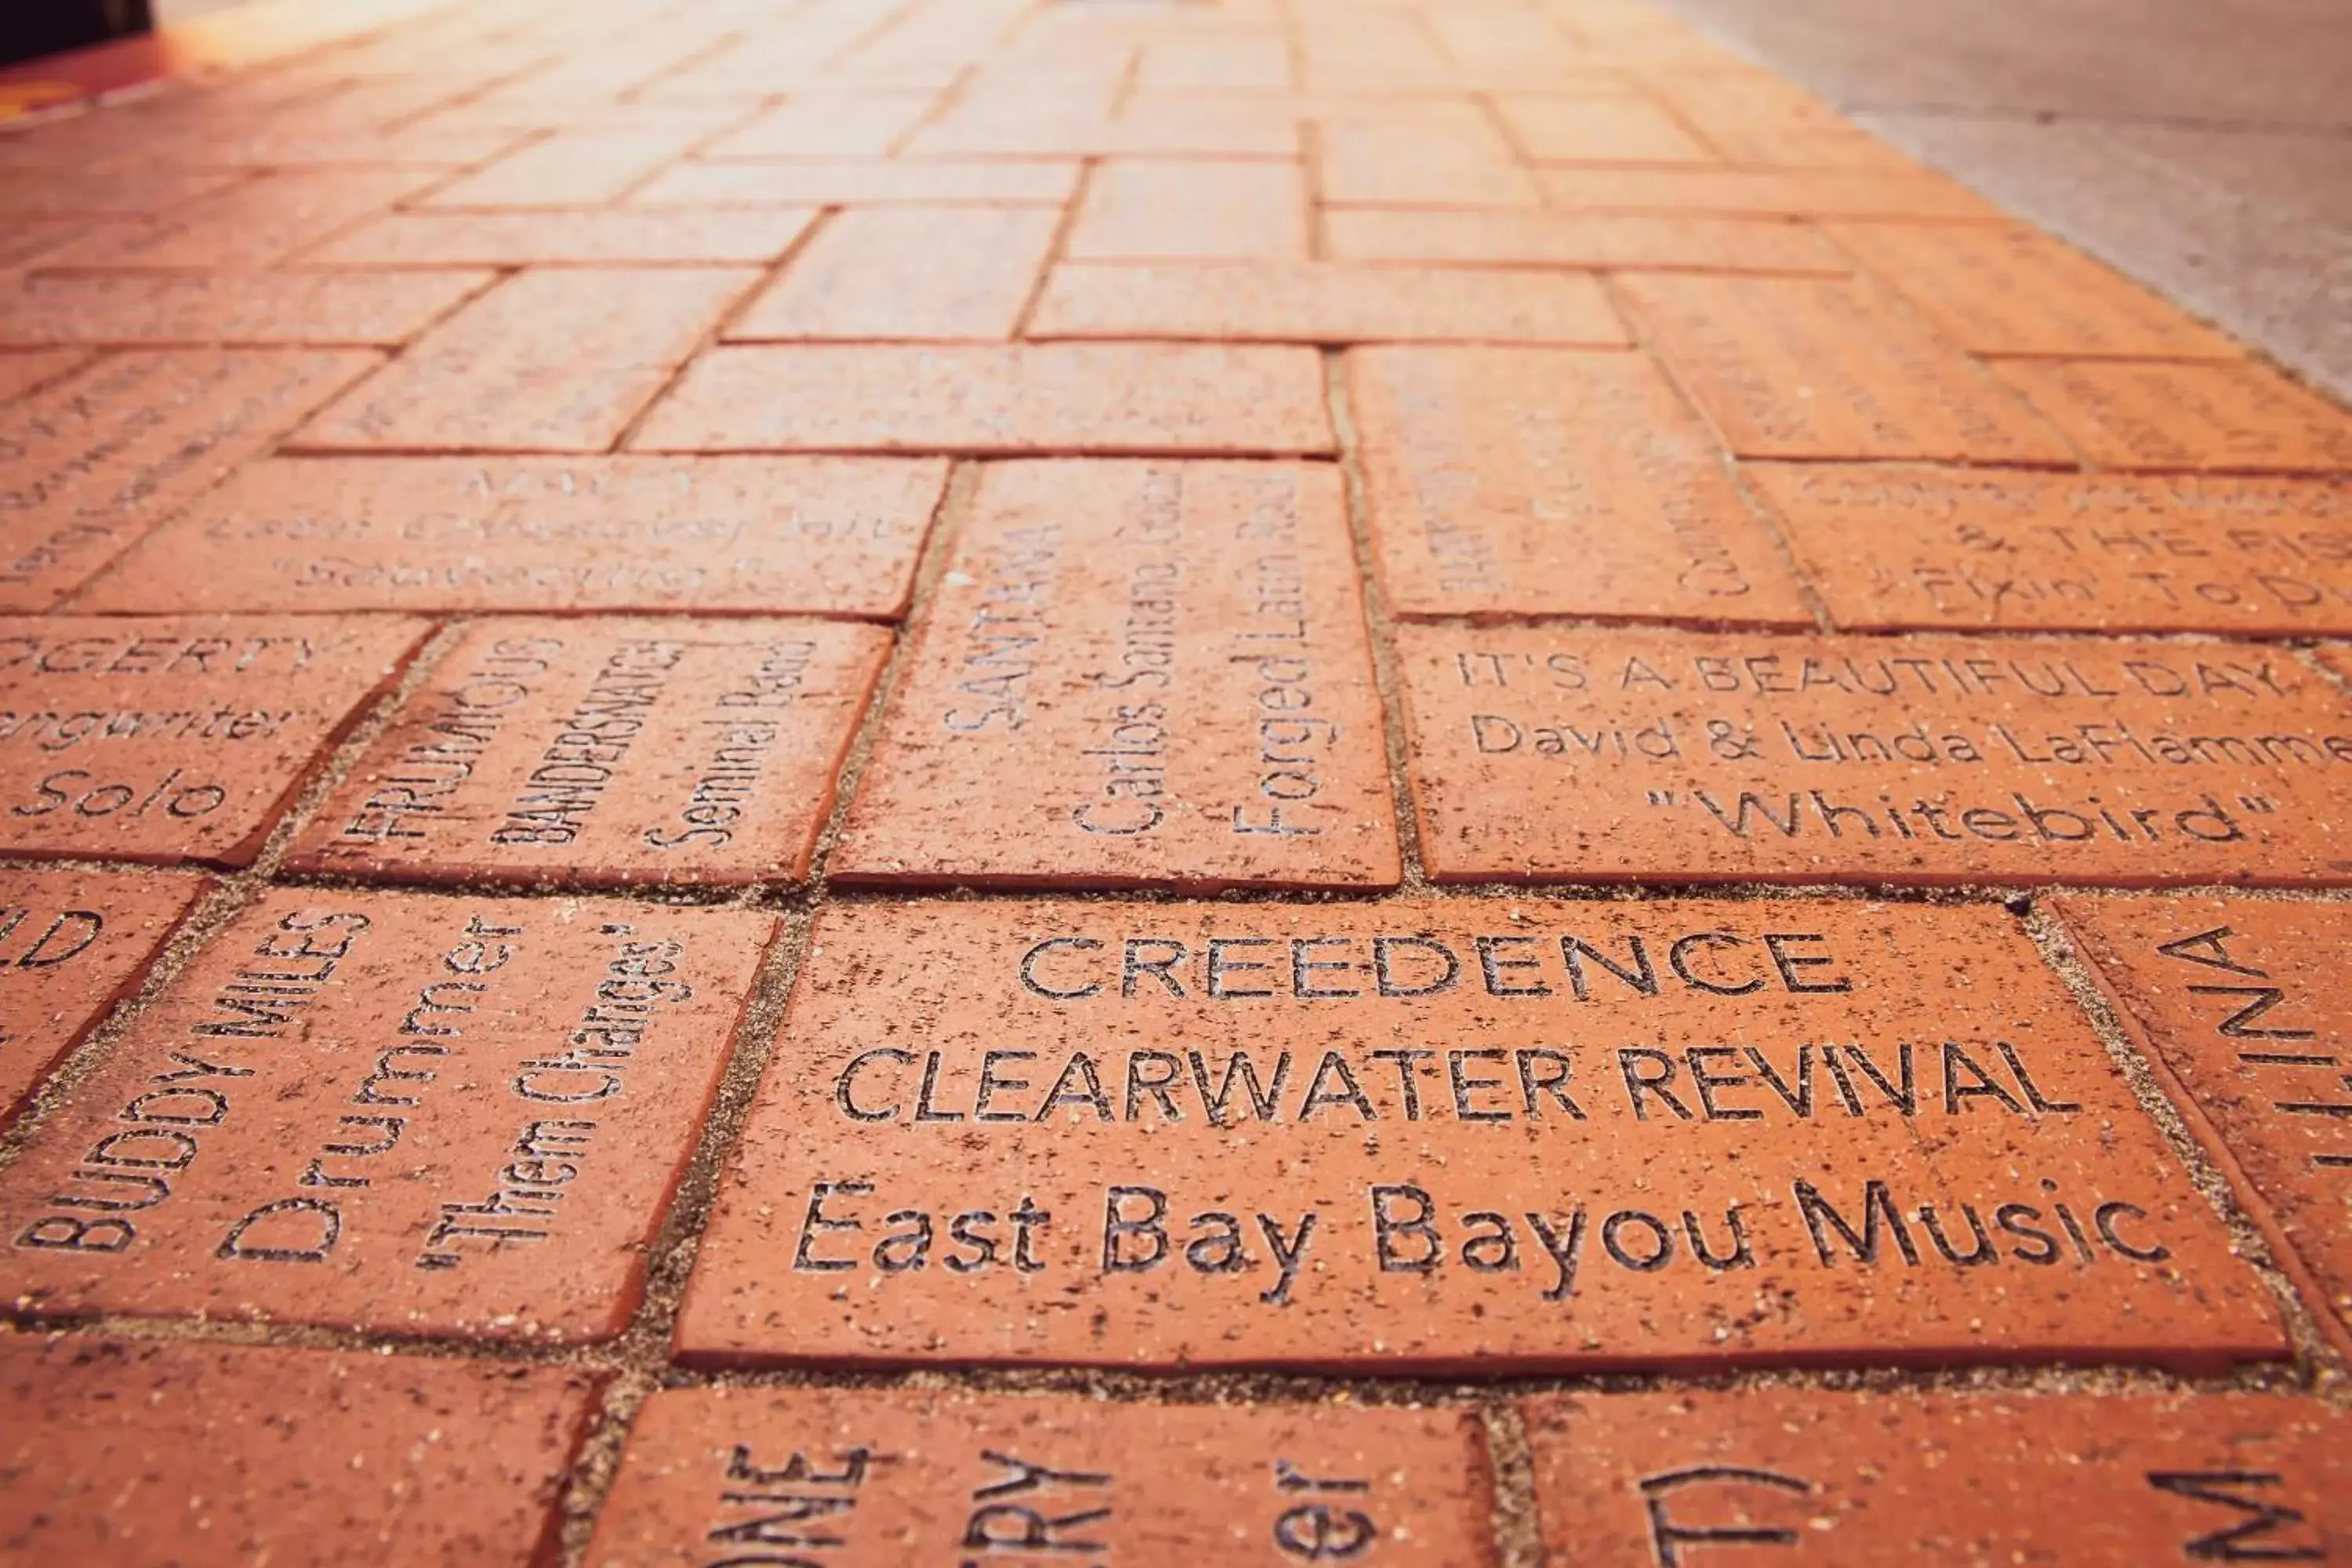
x: 2203, y: 146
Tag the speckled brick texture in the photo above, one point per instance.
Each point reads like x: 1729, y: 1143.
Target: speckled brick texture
x: 1253, y: 781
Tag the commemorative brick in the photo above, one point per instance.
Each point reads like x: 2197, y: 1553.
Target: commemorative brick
x: 1998, y: 291
x: 1881, y: 1480
x: 1813, y: 367
x: 176, y: 739
x: 2150, y: 414
x: 2239, y: 1004
x: 1136, y: 674
x: 1597, y: 754
x: 600, y: 753
x: 1532, y: 481
x: 146, y: 1455
x: 22, y: 370
x: 1901, y: 547
x: 70, y: 943
x: 95, y: 460
x: 1452, y: 1136
x: 870, y: 1478
x: 399, y: 1113
x: 833, y: 536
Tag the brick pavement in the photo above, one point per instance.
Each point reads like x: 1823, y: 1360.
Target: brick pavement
x: 1081, y: 782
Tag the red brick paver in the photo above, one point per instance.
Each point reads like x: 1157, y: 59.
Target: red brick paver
x: 818, y: 535
x: 404, y: 1113
x: 195, y: 309
x: 70, y: 942
x: 2238, y: 1003
x: 1136, y: 674
x: 1892, y: 547
x: 872, y: 1479
x: 1613, y: 755
x: 96, y: 459
x: 607, y: 752
x: 1187, y: 1135
x: 1815, y: 368
x: 132, y: 1452
x: 627, y: 622
x: 1507, y: 482
x: 1879, y: 1478
x: 1050, y: 397
x: 551, y: 361
x: 174, y: 740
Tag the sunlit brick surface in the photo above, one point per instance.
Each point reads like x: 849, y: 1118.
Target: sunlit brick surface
x: 1178, y: 781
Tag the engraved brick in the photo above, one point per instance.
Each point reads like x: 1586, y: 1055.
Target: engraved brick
x: 1597, y: 128
x: 91, y: 463
x: 907, y: 273
x: 599, y: 237
x: 2244, y: 417
x: 1136, y: 674
x: 1615, y: 755
x: 549, y: 361
x: 1895, y: 547
x: 833, y: 536
x: 27, y: 238
x: 1138, y: 210
x: 253, y: 225
x: 400, y: 1113
x: 22, y: 370
x: 1306, y: 301
x: 207, y: 309
x: 1356, y: 1135
x: 1533, y: 481
x: 1801, y: 367
x: 871, y: 1479
x: 1507, y: 237
x: 862, y: 182
x: 1889, y: 1478
x: 1116, y: 398
x: 2018, y: 292
x: 607, y: 752
x: 2241, y: 1005
x: 179, y: 740
x: 70, y: 942
x: 1768, y: 193
x: 136, y: 1452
